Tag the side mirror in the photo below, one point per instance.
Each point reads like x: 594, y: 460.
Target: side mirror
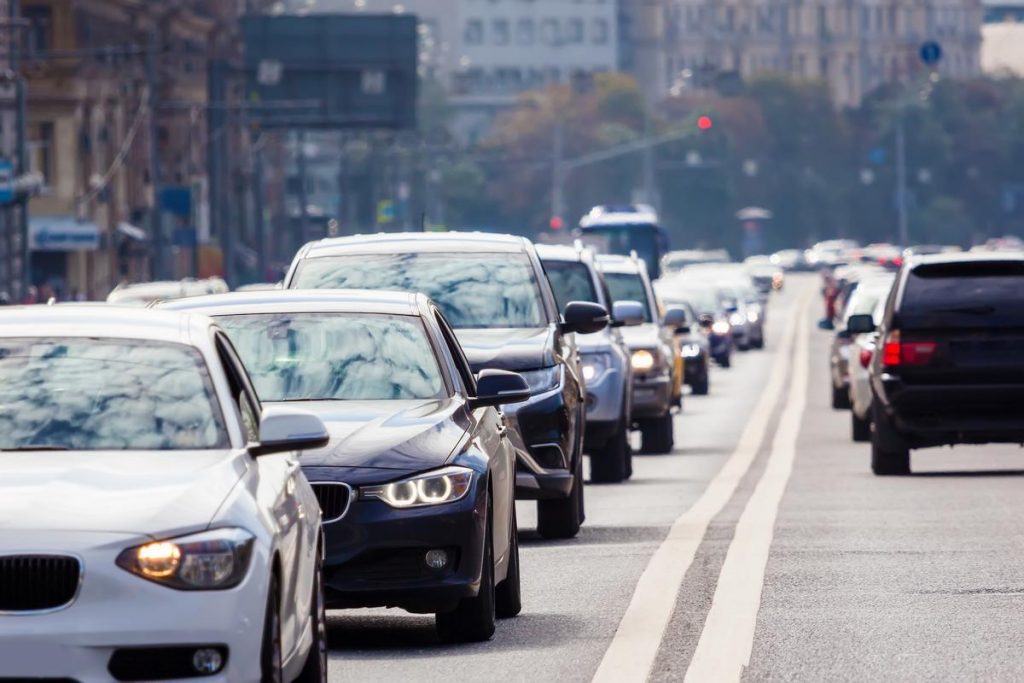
x: 284, y: 429
x: 584, y: 317
x: 860, y: 324
x: 627, y: 314
x: 826, y: 324
x: 498, y: 387
x: 675, y: 318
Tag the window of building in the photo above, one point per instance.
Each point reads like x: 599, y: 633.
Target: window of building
x: 525, y: 32
x: 474, y: 33
x: 40, y: 31
x: 500, y: 32
x: 730, y: 19
x: 574, y: 31
x: 823, y: 22
x: 40, y: 148
x: 549, y: 33
x: 599, y: 31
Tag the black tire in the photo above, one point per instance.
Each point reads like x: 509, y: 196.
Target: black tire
x: 562, y: 517
x: 701, y: 386
x: 725, y: 361
x: 889, y: 455
x: 657, y: 434
x: 271, y: 657
x: 860, y: 427
x: 508, y: 596
x: 315, y: 668
x: 759, y: 344
x: 472, y: 621
x: 608, y: 463
x: 840, y: 397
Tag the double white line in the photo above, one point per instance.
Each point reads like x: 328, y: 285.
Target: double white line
x: 726, y: 641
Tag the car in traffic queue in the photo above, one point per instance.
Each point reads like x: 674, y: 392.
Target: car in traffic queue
x: 655, y: 357
x: 144, y: 293
x: 949, y: 369
x: 179, y: 538
x: 694, y: 345
x: 417, y: 484
x: 712, y: 320
x: 862, y: 299
x: 495, y: 295
x: 862, y: 351
x: 604, y: 356
x: 766, y: 275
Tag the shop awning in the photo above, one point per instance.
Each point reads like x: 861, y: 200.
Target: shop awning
x: 62, y: 233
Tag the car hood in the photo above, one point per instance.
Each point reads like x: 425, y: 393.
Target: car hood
x: 137, y: 492
x: 645, y: 336
x: 508, y: 348
x: 399, y: 435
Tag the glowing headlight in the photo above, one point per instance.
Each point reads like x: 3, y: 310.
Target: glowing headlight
x: 737, y: 319
x: 642, y: 360
x: 595, y: 365
x: 752, y: 316
x: 542, y: 380
x: 433, y: 488
x: 690, y: 350
x: 212, y: 560
x: 721, y: 327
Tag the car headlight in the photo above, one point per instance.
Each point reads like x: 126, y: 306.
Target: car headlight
x: 211, y: 560
x: 595, y: 365
x: 690, y: 350
x: 542, y: 380
x: 737, y: 319
x: 721, y: 327
x: 433, y: 488
x: 752, y: 316
x: 642, y: 360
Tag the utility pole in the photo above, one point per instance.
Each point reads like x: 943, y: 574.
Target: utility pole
x: 260, y: 226
x: 901, y: 180
x: 156, y: 228
x: 558, y: 172
x: 21, y: 105
x: 300, y: 146
x: 650, y: 191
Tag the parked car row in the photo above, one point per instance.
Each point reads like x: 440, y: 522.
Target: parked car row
x: 931, y: 356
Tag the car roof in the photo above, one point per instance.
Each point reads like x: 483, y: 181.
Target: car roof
x: 616, y: 263
x: 407, y: 242
x: 305, y: 300
x: 100, y: 320
x: 966, y: 257
x: 561, y: 252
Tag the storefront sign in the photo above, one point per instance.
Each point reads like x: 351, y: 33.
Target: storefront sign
x: 62, y: 233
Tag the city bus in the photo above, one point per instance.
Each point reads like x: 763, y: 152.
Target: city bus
x: 625, y: 229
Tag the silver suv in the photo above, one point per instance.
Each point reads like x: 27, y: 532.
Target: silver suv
x: 604, y: 357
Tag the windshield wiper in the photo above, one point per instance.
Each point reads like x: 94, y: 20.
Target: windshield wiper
x: 966, y: 310
x: 35, y: 447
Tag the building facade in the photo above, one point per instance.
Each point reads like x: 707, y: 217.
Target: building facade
x: 853, y: 45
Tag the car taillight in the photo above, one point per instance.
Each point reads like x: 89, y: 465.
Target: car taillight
x: 897, y: 352
x: 865, y: 358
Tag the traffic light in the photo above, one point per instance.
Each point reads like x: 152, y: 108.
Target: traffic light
x: 556, y: 223
x: 704, y: 122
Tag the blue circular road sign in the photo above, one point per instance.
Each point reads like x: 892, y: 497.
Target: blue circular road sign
x: 931, y: 53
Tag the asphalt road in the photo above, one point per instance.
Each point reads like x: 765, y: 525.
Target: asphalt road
x: 762, y: 548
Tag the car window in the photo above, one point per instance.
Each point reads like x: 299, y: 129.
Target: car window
x: 629, y: 287
x: 241, y: 391
x: 474, y: 290
x: 107, y: 394
x: 461, y: 364
x: 334, y: 356
x: 571, y: 281
x: 964, y: 294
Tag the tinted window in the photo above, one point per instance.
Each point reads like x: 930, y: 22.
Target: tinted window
x: 967, y: 294
x: 629, y: 287
x: 329, y: 356
x: 106, y: 394
x: 571, y: 281
x: 474, y: 290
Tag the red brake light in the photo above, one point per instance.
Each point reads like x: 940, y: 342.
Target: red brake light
x: 865, y: 358
x: 896, y: 352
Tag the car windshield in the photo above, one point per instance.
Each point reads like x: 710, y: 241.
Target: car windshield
x: 473, y: 289
x: 629, y: 287
x: 106, y: 394
x: 332, y: 356
x: 571, y: 281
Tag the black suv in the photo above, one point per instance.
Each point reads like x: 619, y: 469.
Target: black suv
x: 494, y: 293
x: 949, y: 368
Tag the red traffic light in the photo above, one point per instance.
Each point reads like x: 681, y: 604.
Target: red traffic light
x: 556, y: 223
x: 705, y: 122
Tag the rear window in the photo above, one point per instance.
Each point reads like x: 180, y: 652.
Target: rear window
x: 966, y: 294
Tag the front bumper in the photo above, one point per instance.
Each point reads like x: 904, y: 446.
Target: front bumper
x: 606, y: 396
x: 116, y: 610
x: 375, y: 554
x: 652, y: 395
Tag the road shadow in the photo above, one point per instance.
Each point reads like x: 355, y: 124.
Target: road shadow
x: 367, y: 635
x: 969, y: 473
x: 597, y: 535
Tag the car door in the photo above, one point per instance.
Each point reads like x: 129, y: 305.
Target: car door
x: 490, y: 435
x: 282, y: 490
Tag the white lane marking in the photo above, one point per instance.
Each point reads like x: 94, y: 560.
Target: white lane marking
x: 632, y: 652
x: 728, y: 636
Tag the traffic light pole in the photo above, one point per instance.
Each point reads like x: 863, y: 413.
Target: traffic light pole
x: 901, y: 180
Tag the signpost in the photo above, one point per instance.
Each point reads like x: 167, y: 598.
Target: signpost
x: 6, y: 181
x: 930, y: 53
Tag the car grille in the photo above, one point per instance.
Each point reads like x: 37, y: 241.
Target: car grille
x: 31, y: 583
x: 334, y: 499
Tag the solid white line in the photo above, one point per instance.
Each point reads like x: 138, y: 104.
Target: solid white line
x: 632, y: 652
x: 728, y: 636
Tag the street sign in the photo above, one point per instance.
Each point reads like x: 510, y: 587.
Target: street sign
x: 385, y: 212
x: 6, y: 181
x: 931, y: 53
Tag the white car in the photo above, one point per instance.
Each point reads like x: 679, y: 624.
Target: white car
x: 154, y: 521
x: 861, y: 350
